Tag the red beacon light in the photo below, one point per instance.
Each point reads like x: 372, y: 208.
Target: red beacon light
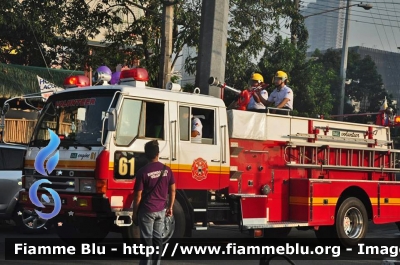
x: 137, y: 75
x: 76, y: 81
x: 397, y: 121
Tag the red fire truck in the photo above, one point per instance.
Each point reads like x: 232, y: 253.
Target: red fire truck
x: 266, y: 172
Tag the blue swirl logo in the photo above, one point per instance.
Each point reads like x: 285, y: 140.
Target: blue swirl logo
x: 45, y: 152
x: 50, y: 166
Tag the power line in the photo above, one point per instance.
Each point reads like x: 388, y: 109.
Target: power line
x: 354, y: 15
x: 365, y: 22
x: 393, y: 10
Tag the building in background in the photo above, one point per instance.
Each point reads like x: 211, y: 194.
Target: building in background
x: 387, y: 64
x: 325, y: 30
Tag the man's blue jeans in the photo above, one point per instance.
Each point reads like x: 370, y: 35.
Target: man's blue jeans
x: 151, y: 226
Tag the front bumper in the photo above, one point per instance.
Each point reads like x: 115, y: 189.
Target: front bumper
x: 79, y: 204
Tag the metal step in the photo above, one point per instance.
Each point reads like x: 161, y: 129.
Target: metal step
x: 200, y: 227
x: 218, y: 206
x: 276, y: 225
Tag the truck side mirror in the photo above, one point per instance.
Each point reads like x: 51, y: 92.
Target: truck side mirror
x: 5, y: 109
x: 112, y: 120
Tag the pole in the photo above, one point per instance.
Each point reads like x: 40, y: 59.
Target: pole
x: 343, y: 64
x: 295, y: 23
x: 88, y: 68
x: 212, y: 46
x: 166, y: 43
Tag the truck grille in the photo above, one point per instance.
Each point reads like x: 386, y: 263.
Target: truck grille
x: 61, y: 180
x: 63, y: 184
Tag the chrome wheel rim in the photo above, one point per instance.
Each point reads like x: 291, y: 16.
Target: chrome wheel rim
x: 353, y: 223
x: 31, y: 220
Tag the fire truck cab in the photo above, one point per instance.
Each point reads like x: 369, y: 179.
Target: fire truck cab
x: 267, y: 173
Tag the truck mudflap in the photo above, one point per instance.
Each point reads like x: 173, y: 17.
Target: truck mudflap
x: 80, y: 205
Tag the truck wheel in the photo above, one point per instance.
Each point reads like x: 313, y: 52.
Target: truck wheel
x: 179, y: 223
x: 281, y: 232
x: 28, y: 222
x: 84, y: 228
x: 174, y: 227
x: 351, y: 222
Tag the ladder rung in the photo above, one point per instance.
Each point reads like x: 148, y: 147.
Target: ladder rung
x: 340, y: 139
x: 299, y: 144
x: 350, y: 168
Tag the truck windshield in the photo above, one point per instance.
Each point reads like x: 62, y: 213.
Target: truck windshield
x: 76, y: 118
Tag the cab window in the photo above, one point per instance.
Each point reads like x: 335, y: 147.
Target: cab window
x: 128, y: 122
x: 152, y: 120
x: 140, y: 119
x: 203, y: 121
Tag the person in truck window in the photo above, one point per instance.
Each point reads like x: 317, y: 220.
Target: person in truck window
x: 153, y: 184
x: 282, y: 96
x: 197, y: 129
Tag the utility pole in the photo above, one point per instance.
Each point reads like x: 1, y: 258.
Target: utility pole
x: 295, y: 23
x: 343, y: 64
x: 212, y: 47
x: 88, y: 68
x: 166, y: 43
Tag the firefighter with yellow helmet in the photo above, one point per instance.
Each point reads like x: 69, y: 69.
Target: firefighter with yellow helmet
x: 282, y: 96
x: 257, y: 92
x: 250, y: 98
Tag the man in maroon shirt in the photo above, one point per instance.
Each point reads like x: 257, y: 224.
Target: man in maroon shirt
x: 153, y: 208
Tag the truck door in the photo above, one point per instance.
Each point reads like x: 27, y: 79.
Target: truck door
x: 139, y: 121
x: 199, y: 158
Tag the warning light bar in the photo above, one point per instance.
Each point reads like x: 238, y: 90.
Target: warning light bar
x: 135, y: 74
x: 76, y: 81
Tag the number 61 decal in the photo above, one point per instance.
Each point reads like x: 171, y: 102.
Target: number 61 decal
x: 126, y: 166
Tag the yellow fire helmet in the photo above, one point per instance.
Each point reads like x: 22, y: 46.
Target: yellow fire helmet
x: 282, y: 75
x: 257, y: 77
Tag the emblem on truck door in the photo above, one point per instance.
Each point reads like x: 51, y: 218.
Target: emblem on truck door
x: 199, y: 169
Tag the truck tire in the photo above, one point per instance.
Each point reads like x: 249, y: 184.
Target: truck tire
x: 174, y: 227
x: 351, y: 223
x: 28, y: 222
x: 82, y: 228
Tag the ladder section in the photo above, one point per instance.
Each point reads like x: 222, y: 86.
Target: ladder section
x: 314, y: 155
x: 340, y: 133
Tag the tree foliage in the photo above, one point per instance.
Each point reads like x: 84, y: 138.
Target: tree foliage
x: 65, y: 38
x: 366, y: 86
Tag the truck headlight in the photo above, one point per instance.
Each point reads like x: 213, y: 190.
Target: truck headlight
x: 87, y: 185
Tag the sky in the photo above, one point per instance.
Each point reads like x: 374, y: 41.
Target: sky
x: 377, y: 28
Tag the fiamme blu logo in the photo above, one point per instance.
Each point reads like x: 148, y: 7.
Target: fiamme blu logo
x: 51, y: 164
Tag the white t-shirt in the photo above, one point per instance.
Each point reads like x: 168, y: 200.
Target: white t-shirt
x: 254, y: 105
x: 277, y: 96
x: 197, y: 126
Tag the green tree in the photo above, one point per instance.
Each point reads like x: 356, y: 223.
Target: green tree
x: 307, y: 78
x: 252, y: 25
x: 366, y: 86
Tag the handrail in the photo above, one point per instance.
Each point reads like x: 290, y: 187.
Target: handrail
x: 173, y: 140
x: 271, y: 108
x: 223, y: 145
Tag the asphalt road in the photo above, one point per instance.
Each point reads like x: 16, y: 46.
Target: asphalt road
x: 375, y: 231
